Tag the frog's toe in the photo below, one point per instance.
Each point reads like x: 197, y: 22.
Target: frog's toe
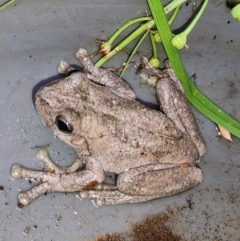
x: 75, y: 166
x: 25, y: 198
x: 63, y: 67
x: 43, y: 157
x: 16, y: 171
x: 19, y: 172
x: 81, y: 54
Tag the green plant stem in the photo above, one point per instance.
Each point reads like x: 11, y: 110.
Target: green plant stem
x: 153, y: 42
x: 6, y: 4
x: 125, y: 26
x: 172, y: 5
x: 133, y: 52
x: 174, y: 15
x: 196, y: 18
x: 135, y: 34
x: 154, y: 46
x: 201, y: 102
x: 125, y: 42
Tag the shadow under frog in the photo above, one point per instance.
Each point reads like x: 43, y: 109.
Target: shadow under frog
x: 153, y: 153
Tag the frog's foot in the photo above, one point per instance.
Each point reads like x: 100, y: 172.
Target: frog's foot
x: 47, y: 180
x: 104, y: 76
x: 146, y: 183
x: 148, y: 66
x: 55, y: 178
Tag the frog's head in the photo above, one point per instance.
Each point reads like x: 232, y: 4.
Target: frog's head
x: 60, y: 104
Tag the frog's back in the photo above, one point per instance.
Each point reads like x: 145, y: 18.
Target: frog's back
x: 120, y: 131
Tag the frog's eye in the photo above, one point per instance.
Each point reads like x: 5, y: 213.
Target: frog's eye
x: 63, y: 125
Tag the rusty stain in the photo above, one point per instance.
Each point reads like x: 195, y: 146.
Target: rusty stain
x: 90, y: 185
x: 184, y: 165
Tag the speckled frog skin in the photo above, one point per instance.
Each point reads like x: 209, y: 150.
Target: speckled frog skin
x: 153, y: 153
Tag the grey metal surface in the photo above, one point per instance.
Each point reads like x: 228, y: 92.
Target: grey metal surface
x: 35, y: 35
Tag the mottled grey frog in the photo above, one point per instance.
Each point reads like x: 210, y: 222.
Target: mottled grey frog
x: 154, y: 153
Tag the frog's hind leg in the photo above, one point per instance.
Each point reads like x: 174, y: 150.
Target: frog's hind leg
x: 113, y: 197
x: 174, y: 104
x: 172, y: 100
x: 104, y: 194
x: 146, y: 183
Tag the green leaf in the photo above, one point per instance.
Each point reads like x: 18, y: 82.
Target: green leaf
x: 196, y: 98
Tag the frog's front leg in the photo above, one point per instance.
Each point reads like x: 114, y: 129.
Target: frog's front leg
x: 104, y: 76
x: 57, y: 179
x: 146, y: 183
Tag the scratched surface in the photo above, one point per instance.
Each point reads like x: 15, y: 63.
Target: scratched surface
x: 35, y: 35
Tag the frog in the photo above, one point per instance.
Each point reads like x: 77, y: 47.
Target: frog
x: 153, y: 153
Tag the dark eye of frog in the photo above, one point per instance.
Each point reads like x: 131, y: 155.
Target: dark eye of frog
x: 63, y: 125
